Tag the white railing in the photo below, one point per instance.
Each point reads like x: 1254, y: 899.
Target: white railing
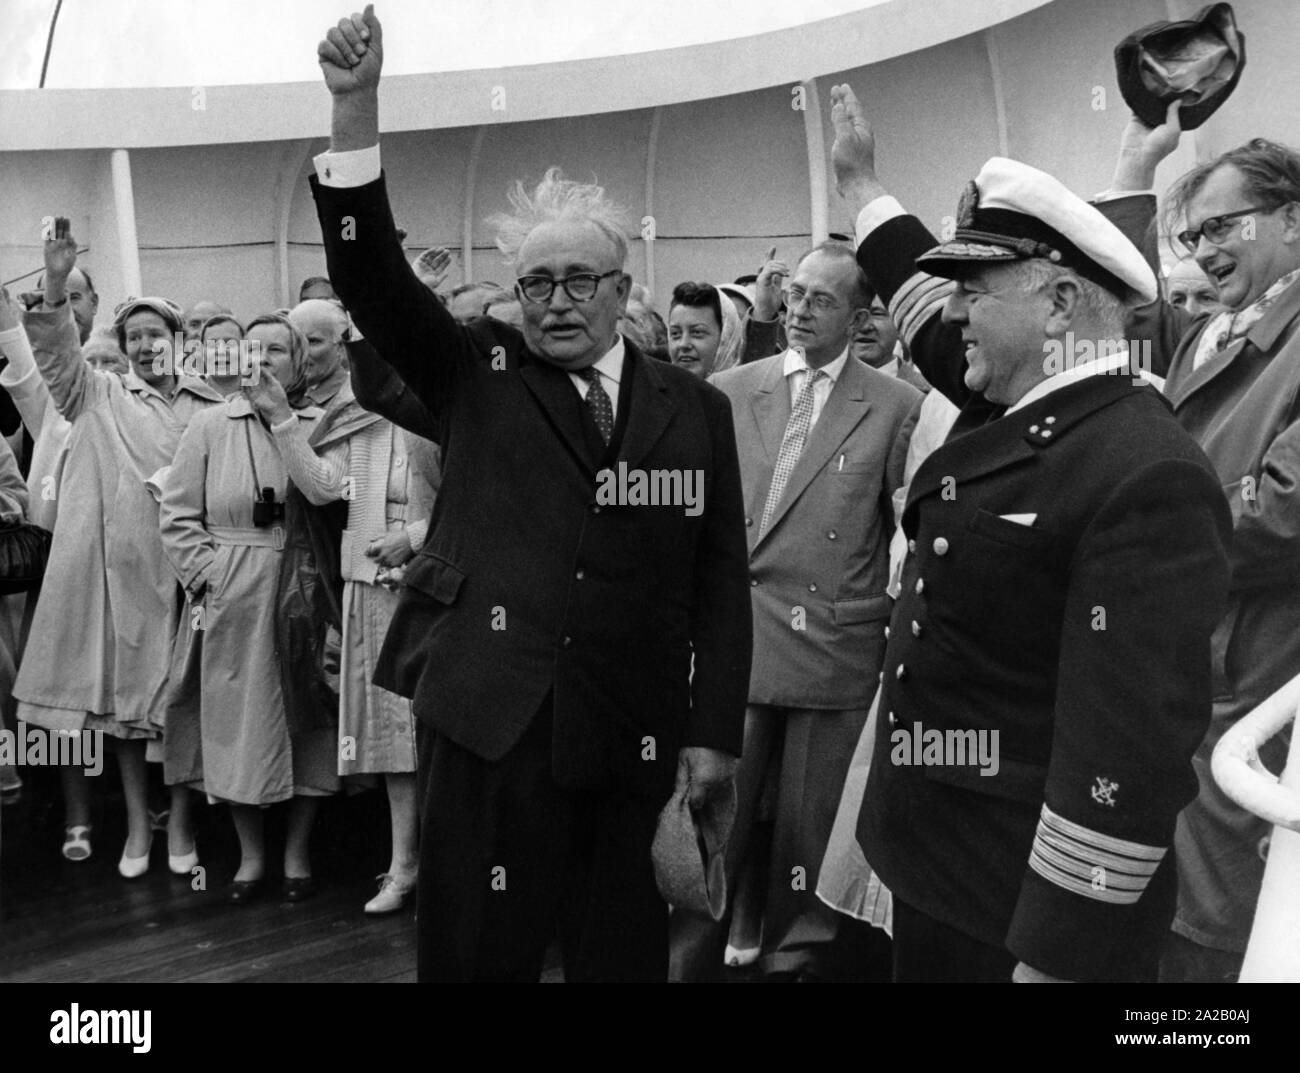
x: 1273, y: 954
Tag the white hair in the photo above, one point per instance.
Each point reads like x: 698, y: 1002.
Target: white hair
x: 557, y: 198
x: 1104, y: 310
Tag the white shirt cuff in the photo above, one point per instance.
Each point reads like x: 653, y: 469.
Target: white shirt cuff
x: 354, y: 168
x: 1115, y: 195
x: 876, y: 213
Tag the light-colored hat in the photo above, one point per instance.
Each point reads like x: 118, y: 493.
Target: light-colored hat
x: 164, y: 307
x: 689, y: 849
x: 1011, y: 212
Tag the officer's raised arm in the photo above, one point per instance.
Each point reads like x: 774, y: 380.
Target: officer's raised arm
x: 889, y: 240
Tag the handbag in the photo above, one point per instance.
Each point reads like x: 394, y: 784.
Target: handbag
x: 24, y: 550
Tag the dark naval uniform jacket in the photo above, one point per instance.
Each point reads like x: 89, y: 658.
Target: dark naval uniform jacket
x: 1067, y: 566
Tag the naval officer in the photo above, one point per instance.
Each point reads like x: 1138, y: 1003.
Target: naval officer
x: 1068, y: 563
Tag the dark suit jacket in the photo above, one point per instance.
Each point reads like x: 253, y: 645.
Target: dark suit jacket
x: 635, y: 618
x: 1082, y: 638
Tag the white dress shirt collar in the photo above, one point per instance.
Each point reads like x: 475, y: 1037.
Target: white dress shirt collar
x: 795, y: 362
x: 1109, y: 365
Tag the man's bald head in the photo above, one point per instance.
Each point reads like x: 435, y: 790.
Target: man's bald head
x: 325, y: 324
x: 80, y: 290
x: 198, y: 314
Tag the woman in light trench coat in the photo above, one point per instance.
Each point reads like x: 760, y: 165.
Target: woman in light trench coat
x: 96, y: 655
x: 228, y: 557
x: 389, y: 479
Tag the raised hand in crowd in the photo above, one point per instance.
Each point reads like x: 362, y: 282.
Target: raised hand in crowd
x: 352, y: 54
x: 10, y: 312
x: 432, y: 266
x: 767, y: 288
x: 853, y: 154
x: 60, y: 260
x: 1142, y: 148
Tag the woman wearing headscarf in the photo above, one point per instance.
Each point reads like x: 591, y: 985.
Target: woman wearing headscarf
x: 705, y: 334
x: 95, y: 656
x: 388, y: 478
x: 223, y: 523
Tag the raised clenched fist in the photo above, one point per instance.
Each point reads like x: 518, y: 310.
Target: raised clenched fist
x: 352, y: 54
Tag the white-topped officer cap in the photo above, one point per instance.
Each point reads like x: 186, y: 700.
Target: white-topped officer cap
x: 1012, y: 212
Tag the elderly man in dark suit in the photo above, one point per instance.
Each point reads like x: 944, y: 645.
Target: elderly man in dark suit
x: 823, y: 438
x: 1068, y: 565
x: 569, y: 640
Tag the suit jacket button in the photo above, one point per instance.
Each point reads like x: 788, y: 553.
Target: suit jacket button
x: 886, y: 633
x: 1046, y: 433
x: 920, y: 586
x: 830, y: 535
x: 1033, y: 428
x: 753, y: 582
x: 911, y: 546
x: 916, y: 628
x: 579, y: 574
x: 749, y: 521
x: 901, y: 673
x: 1049, y: 420
x: 940, y: 546
x: 812, y: 587
x: 566, y: 642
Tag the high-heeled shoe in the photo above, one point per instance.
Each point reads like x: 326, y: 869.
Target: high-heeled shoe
x: 76, y: 842
x: 185, y: 864
x: 394, y: 892
x: 298, y: 888
x: 134, y: 867
x: 243, y: 891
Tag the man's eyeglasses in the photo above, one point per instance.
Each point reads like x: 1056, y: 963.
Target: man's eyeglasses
x: 1216, y: 228
x: 821, y: 303
x: 580, y: 287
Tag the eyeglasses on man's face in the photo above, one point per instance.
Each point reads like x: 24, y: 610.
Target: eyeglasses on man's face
x: 580, y: 286
x: 1216, y: 228
x: 820, y: 303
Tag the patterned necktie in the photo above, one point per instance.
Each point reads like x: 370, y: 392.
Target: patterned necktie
x: 796, y: 435
x: 602, y: 411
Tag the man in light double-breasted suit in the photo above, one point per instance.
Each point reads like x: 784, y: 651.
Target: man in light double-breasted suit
x: 822, y: 439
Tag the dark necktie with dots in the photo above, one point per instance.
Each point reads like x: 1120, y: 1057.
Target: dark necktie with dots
x: 602, y: 411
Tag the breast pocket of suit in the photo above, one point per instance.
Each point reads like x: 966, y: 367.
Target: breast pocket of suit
x: 1029, y: 538
x: 436, y: 578
x: 850, y: 464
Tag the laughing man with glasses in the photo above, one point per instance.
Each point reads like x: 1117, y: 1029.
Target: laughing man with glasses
x: 1234, y: 383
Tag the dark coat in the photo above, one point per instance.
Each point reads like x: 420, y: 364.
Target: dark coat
x: 635, y: 618
x: 1243, y: 408
x: 1082, y: 638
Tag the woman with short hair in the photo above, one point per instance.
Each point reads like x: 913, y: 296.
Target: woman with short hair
x: 705, y: 335
x: 224, y: 529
